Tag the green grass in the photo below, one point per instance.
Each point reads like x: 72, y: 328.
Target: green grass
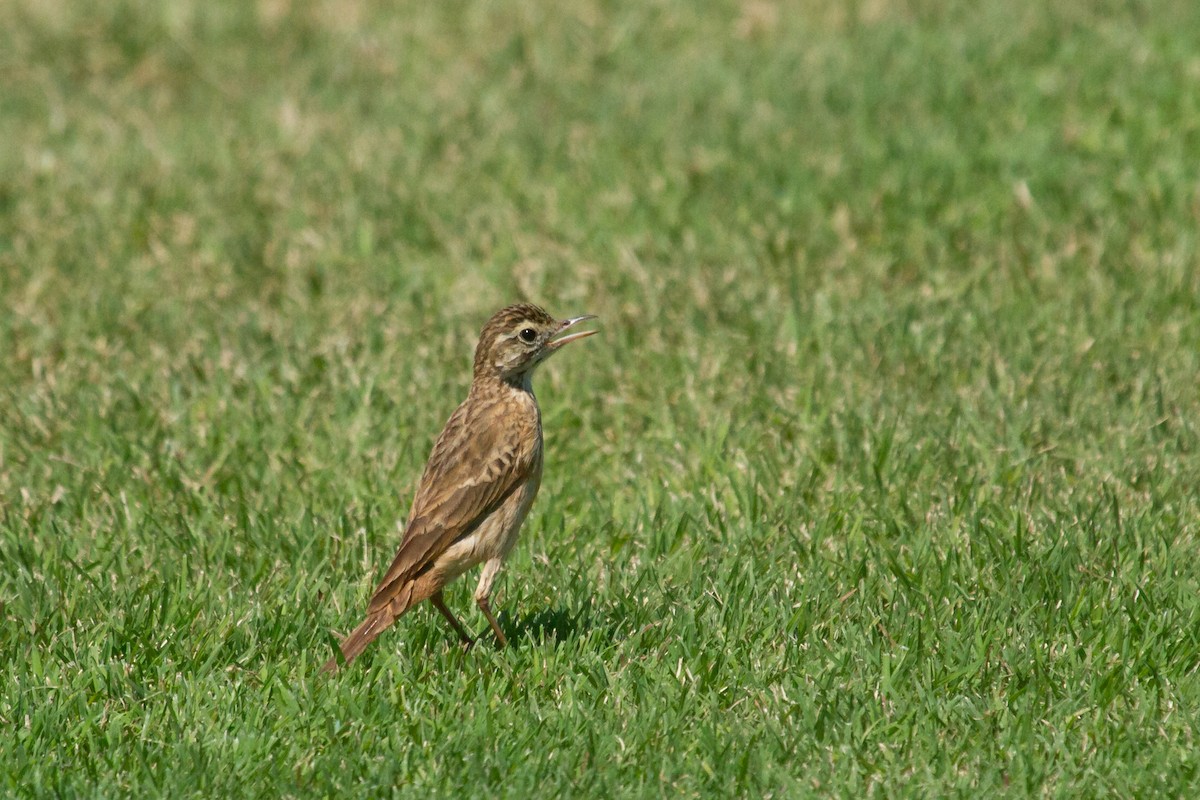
x: 881, y: 480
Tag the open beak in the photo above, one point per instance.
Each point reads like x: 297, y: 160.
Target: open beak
x: 558, y: 342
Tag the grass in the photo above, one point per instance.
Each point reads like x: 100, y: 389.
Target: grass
x: 881, y: 480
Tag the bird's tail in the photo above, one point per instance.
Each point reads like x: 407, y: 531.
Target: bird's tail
x: 383, y: 611
x: 361, y: 636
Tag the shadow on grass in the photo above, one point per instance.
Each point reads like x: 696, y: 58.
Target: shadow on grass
x: 549, y: 624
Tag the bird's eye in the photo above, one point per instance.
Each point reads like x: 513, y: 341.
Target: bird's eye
x: 528, y: 335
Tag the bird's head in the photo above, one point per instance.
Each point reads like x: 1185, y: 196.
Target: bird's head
x: 518, y: 338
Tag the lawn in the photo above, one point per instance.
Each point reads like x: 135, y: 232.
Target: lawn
x: 882, y: 479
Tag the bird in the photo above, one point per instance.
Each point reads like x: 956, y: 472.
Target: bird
x: 480, y: 480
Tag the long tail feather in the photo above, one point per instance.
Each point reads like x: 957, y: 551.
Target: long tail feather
x: 360, y: 637
x: 377, y: 621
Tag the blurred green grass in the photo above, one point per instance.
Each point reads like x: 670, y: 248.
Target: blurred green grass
x: 880, y: 481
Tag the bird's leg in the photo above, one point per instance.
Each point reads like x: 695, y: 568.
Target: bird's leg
x: 486, y: 608
x: 483, y: 593
x: 440, y: 605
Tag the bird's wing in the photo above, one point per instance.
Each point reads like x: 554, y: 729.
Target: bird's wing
x: 478, y: 461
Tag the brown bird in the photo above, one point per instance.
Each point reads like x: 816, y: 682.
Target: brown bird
x: 481, y: 478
